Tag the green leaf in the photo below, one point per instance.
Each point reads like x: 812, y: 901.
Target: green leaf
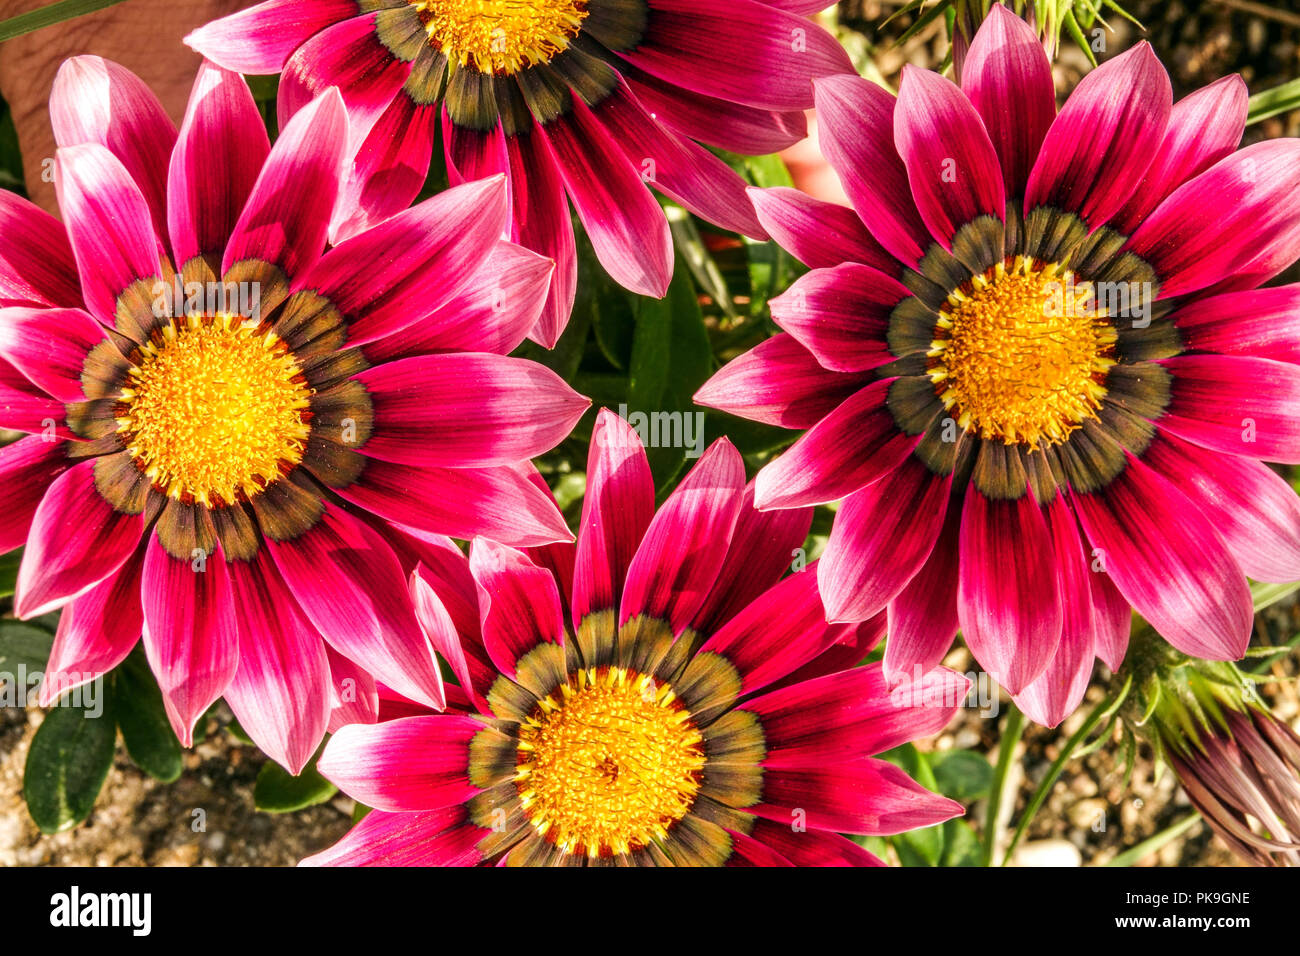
x: 23, y: 644
x: 67, y: 763
x: 962, y: 775
x: 1152, y: 844
x: 1279, y: 99
x: 278, y: 791
x: 961, y: 847
x: 49, y: 15
x: 146, y: 731
x: 1266, y: 595
x: 671, y: 359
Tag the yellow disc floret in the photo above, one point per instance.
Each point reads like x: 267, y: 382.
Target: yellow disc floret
x: 214, y: 407
x: 1021, y: 353
x: 501, y: 36
x: 608, y: 762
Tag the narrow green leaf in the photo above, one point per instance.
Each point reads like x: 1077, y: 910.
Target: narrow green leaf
x: 1266, y: 595
x: 48, y: 16
x: 67, y: 763
x: 146, y: 731
x: 1012, y: 728
x: 1268, y: 103
x: 278, y: 791
x: 1154, y: 843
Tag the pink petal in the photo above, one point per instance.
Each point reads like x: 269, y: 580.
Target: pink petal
x: 881, y: 537
x: 389, y: 168
x: 350, y: 57
x: 812, y: 847
x: 1204, y: 127
x: 1008, y: 78
x: 844, y: 717
x: 36, y: 263
x: 351, y: 587
x: 1056, y: 693
x: 1236, y: 404
x: 353, y: 697
x: 763, y: 547
x: 866, y: 796
x: 856, y: 132
x: 421, y: 838
x: 1169, y: 561
x: 493, y: 312
x: 1251, y: 506
x: 415, y: 763
x: 678, y: 558
x: 677, y: 167
x: 841, y: 315
x: 848, y: 449
x: 96, y: 632
x: 541, y: 222
x: 617, y: 509
x: 49, y: 346
x: 1007, y: 595
x: 190, y: 633
x: 819, y: 234
x: 1213, y: 225
x: 471, y: 153
x: 261, y: 38
x: 217, y: 159
x: 76, y: 540
x: 1104, y: 138
x: 277, y: 691
x: 730, y: 126
x: 951, y: 164
x: 406, y: 268
x: 923, y: 617
x: 27, y: 467
x: 683, y: 38
x: 519, y: 605
x: 26, y: 408
x: 626, y: 226
x: 287, y: 216
x: 463, y: 410
x: 498, y: 502
x: 1264, y: 323
x: 435, y: 620
x: 777, y: 634
x: 97, y: 101
x: 781, y: 383
x: 109, y: 225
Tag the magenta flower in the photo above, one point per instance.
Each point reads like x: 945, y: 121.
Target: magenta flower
x: 593, y: 98
x: 685, y: 706
x: 239, y: 483
x: 1035, y: 364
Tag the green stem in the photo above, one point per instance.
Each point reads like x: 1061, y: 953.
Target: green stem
x: 49, y: 15
x: 1011, y: 732
x: 1151, y: 844
x: 1102, y: 712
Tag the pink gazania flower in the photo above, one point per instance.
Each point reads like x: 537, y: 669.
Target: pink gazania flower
x: 589, y: 98
x: 686, y: 705
x: 239, y: 486
x: 1034, y: 364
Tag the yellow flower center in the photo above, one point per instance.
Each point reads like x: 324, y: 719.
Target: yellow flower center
x: 1021, y: 353
x: 214, y: 409
x: 501, y: 36
x: 608, y: 764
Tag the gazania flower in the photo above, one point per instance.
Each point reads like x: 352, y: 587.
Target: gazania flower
x: 1034, y: 363
x: 239, y: 483
x: 1239, y: 764
x: 589, y: 98
x: 684, y: 706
